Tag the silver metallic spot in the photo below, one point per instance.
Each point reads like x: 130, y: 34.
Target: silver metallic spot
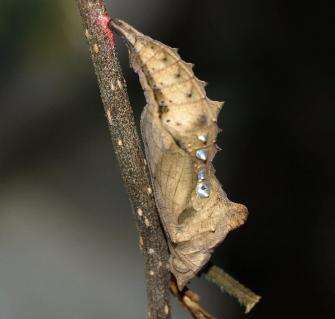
x: 202, y: 175
x: 203, y: 138
x: 201, y: 154
x: 203, y: 189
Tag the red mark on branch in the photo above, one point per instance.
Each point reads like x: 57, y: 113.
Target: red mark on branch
x: 103, y: 22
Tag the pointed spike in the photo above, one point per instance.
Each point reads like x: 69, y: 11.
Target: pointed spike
x: 217, y: 104
x: 218, y: 148
x: 189, y: 65
x: 175, y: 50
x: 202, y: 83
x: 214, y: 151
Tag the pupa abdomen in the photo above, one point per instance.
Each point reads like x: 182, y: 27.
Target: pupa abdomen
x: 179, y: 131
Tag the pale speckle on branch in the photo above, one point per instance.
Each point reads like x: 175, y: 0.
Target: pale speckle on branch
x: 109, y: 115
x: 166, y: 309
x: 140, y: 212
x: 140, y: 242
x: 119, y: 84
x: 96, y: 48
x: 146, y: 222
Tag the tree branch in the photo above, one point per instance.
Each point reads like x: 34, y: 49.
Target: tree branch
x: 127, y: 148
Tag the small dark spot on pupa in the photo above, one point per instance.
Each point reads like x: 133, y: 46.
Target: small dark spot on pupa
x: 164, y: 59
x: 178, y: 75
x: 189, y: 94
x: 202, y: 120
x: 164, y: 109
x: 178, y: 124
x: 168, y: 121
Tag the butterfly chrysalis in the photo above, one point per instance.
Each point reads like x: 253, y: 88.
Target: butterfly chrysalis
x: 179, y: 131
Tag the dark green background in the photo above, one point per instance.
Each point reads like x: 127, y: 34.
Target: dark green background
x: 68, y: 245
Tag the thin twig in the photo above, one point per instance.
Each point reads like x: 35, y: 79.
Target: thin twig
x: 228, y: 284
x: 127, y: 148
x: 190, y: 301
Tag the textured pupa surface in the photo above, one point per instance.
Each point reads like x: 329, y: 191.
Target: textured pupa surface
x: 179, y: 131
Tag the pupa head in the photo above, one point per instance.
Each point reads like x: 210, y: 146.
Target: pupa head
x: 126, y: 30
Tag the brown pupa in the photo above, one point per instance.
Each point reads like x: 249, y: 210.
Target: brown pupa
x: 179, y: 130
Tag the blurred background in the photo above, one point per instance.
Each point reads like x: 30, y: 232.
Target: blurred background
x: 68, y: 244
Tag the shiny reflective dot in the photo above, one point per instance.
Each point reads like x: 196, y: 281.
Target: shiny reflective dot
x: 203, y: 138
x: 202, y: 175
x: 201, y: 154
x: 203, y: 190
